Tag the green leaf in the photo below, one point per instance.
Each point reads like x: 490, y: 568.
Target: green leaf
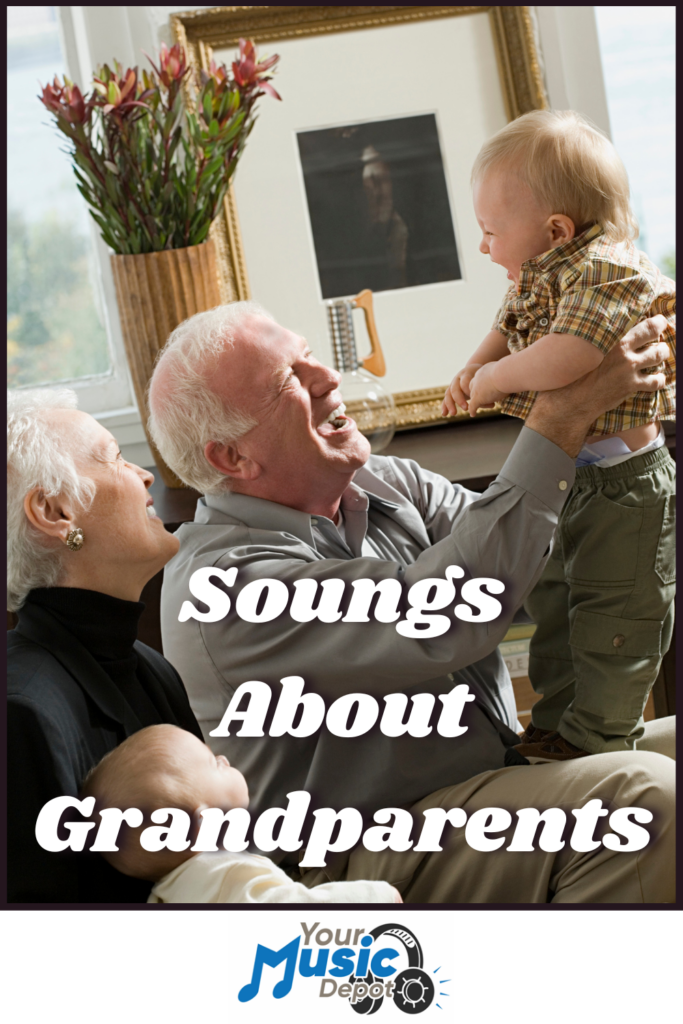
x: 214, y: 166
x: 111, y: 188
x: 199, y: 236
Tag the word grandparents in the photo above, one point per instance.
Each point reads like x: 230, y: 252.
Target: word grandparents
x: 266, y: 599
x: 393, y: 829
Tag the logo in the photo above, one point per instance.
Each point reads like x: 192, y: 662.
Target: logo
x: 367, y: 970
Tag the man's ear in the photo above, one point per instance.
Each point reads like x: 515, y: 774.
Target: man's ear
x: 52, y: 515
x: 562, y: 229
x: 227, y: 459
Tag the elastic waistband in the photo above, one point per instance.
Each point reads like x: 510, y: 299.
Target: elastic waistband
x: 632, y: 467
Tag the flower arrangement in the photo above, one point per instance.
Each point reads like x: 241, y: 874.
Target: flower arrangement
x: 153, y: 172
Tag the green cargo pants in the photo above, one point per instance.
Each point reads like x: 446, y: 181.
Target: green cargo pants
x: 604, y: 604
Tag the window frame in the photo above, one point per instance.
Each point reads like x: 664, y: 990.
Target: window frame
x: 109, y: 396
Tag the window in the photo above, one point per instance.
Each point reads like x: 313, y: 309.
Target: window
x: 637, y: 45
x: 55, y: 328
x: 62, y: 324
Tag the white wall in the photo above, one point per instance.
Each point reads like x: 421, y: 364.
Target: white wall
x: 570, y: 50
x: 570, y: 56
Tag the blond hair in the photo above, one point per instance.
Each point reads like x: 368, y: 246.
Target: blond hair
x: 145, y: 771
x: 570, y: 166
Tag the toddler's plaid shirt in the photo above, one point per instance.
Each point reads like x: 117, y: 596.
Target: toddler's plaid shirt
x: 596, y: 290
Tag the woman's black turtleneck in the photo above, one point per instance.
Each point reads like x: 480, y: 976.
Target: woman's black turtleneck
x: 107, y: 627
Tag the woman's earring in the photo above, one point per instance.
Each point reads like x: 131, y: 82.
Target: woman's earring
x: 75, y: 540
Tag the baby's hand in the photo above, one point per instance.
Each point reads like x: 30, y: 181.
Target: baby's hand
x: 459, y: 390
x: 483, y: 392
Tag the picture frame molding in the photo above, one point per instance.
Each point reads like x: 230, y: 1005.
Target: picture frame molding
x: 201, y: 32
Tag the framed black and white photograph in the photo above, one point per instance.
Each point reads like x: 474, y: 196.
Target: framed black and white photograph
x: 389, y: 224
x: 360, y: 177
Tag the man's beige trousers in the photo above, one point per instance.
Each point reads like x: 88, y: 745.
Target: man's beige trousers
x: 459, y: 874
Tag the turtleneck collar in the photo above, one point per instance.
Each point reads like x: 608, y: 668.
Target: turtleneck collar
x: 106, y: 626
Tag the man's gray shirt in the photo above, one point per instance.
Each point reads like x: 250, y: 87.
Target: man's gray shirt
x: 416, y: 524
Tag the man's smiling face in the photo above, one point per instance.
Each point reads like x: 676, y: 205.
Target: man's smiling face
x: 303, y: 457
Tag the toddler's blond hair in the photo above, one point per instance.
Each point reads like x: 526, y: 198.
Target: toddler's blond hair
x: 570, y: 167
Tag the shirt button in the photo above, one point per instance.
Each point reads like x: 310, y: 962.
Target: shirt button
x: 618, y: 640
x: 315, y: 521
x: 543, y: 321
x: 562, y: 485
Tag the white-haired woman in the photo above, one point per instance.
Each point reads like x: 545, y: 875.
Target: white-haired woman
x: 82, y: 541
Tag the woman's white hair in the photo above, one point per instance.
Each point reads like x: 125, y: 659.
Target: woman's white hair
x: 37, y: 456
x: 185, y: 414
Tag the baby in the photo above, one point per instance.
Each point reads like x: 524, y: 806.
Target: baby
x: 552, y: 200
x: 164, y: 766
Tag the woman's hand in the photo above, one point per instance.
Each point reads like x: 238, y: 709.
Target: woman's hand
x: 483, y: 392
x: 458, y: 391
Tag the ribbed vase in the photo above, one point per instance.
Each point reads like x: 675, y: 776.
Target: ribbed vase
x: 156, y: 291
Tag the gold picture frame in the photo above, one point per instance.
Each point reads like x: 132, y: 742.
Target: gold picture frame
x: 201, y: 32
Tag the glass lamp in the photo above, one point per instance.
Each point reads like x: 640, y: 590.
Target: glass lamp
x: 366, y: 401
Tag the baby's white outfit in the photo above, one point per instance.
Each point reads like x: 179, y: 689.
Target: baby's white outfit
x: 246, y: 878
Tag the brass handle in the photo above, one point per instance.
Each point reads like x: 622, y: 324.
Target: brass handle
x: 374, y: 363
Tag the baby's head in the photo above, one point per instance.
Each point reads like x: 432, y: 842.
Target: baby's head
x: 161, y: 766
x: 541, y: 180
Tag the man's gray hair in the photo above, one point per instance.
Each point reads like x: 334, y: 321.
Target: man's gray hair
x: 37, y: 456
x: 185, y: 414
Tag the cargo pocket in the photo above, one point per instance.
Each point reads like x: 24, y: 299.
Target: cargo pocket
x: 610, y: 634
x: 665, y: 562
x: 605, y: 540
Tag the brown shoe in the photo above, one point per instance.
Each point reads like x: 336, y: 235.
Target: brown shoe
x: 551, y: 747
x: 532, y: 734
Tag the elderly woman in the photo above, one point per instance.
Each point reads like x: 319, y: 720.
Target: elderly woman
x: 83, y: 539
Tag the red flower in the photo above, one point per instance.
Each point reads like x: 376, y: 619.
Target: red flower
x: 117, y: 92
x: 249, y: 72
x: 172, y: 64
x: 219, y: 74
x: 66, y: 101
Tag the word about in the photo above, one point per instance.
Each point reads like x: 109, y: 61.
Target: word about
x: 354, y: 714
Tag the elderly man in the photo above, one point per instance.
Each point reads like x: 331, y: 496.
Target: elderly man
x: 242, y: 411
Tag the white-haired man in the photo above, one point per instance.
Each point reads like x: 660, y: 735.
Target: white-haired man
x: 242, y: 411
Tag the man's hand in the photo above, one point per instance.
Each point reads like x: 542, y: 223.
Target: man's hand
x: 458, y: 391
x: 565, y: 415
x: 483, y: 392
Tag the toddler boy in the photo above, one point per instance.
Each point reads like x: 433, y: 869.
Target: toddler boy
x: 164, y: 766
x: 552, y: 199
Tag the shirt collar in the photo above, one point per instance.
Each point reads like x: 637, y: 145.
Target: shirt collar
x: 260, y: 514
x: 547, y: 260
